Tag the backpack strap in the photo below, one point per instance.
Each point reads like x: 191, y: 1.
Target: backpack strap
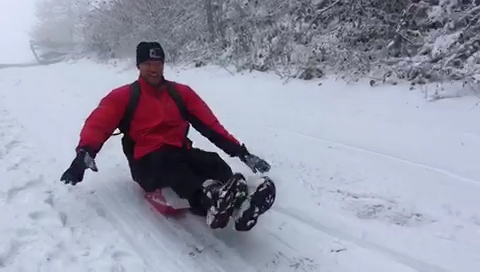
x: 178, y: 100
x: 180, y: 105
x: 124, y: 125
x: 128, y: 144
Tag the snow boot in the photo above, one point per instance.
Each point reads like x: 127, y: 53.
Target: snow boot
x: 221, y: 199
x: 256, y: 204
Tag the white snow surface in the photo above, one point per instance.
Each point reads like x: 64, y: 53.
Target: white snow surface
x: 368, y: 179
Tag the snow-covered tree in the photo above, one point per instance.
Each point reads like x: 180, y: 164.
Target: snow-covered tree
x: 416, y: 40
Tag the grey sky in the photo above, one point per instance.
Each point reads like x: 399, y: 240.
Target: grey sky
x: 16, y: 19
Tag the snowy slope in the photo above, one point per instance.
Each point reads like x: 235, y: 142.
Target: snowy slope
x: 369, y: 179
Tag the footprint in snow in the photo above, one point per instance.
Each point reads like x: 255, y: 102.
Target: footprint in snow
x: 297, y: 263
x: 49, y: 217
x: 15, y: 191
x: 8, y: 147
x: 123, y: 261
x: 56, y: 252
x: 101, y: 212
x: 375, y: 207
x: 49, y: 199
x: 475, y: 219
x: 8, y: 251
x: 25, y: 232
x: 17, y: 165
x: 119, y: 254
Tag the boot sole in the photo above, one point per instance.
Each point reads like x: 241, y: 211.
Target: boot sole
x: 260, y: 202
x: 218, y: 215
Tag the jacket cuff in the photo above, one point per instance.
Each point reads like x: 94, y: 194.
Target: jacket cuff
x: 88, y: 149
x: 243, y: 152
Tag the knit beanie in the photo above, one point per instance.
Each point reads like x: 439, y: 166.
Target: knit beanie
x: 149, y: 51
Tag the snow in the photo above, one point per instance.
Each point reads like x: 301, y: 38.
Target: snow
x: 368, y: 179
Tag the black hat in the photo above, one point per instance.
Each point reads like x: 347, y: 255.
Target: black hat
x: 149, y: 51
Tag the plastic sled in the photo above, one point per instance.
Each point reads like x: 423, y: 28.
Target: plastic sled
x: 166, y: 202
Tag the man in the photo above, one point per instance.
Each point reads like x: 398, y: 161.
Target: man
x: 164, y: 156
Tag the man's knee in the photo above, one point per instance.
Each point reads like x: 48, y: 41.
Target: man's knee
x: 219, y: 167
x: 209, y: 165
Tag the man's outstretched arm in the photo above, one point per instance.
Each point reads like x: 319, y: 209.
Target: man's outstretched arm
x: 98, y: 127
x: 103, y: 121
x: 202, y: 119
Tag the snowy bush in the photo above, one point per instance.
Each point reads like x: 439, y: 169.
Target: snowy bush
x: 414, y: 40
x: 113, y: 28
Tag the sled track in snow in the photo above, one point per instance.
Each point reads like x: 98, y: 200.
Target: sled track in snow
x: 336, y: 232
x: 369, y: 151
x: 145, y: 230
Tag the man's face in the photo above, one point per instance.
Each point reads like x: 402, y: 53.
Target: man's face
x: 152, y: 71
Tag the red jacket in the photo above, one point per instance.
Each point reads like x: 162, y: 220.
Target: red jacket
x: 157, y: 120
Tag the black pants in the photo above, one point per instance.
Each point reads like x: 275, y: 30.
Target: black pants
x: 183, y: 170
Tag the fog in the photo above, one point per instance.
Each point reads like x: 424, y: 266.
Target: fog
x: 16, y: 19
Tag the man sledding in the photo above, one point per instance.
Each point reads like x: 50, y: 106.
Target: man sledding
x: 155, y: 114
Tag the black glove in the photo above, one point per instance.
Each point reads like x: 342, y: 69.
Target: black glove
x: 74, y: 174
x: 254, y: 162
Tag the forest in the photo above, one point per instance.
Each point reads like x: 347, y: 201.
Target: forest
x: 419, y: 41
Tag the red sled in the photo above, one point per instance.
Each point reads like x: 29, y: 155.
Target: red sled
x: 166, y: 202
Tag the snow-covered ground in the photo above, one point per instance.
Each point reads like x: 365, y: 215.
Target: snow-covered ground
x: 369, y: 179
